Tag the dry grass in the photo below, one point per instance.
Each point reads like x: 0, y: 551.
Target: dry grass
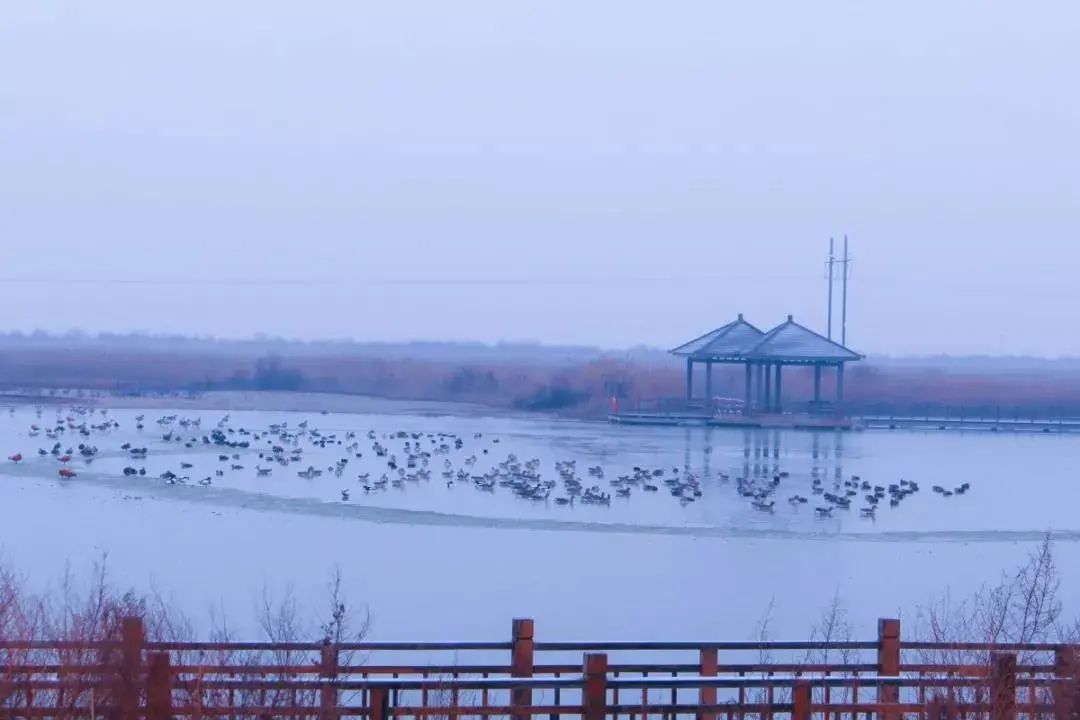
x: 583, y: 388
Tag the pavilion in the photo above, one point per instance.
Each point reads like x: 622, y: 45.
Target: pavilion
x: 764, y: 355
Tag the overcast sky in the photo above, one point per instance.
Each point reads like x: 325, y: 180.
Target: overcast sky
x: 600, y: 172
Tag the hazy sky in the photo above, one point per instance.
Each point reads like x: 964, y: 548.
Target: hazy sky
x: 600, y: 172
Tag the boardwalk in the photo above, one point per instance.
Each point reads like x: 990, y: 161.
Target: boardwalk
x: 881, y: 678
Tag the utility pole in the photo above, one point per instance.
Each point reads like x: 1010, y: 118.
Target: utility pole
x: 832, y: 261
x: 843, y: 297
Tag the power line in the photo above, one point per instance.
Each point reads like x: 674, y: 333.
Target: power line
x: 375, y: 282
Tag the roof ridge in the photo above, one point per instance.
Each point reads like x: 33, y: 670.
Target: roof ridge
x: 819, y: 335
x: 713, y: 336
x: 768, y: 337
x: 723, y: 328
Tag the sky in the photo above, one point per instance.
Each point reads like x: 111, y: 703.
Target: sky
x: 608, y: 173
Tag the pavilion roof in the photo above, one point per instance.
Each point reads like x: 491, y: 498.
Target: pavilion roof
x: 792, y: 342
x: 729, y: 341
x: 788, y: 342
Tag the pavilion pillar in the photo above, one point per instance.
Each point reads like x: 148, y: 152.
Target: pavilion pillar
x: 817, y: 384
x: 767, y: 404
x: 776, y: 401
x: 757, y: 386
x: 708, y: 383
x: 749, y: 387
x: 689, y: 380
x: 839, y: 383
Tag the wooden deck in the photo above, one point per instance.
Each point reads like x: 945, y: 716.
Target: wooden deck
x: 973, y: 424
x: 883, y: 678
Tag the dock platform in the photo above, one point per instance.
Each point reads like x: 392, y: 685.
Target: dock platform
x: 690, y: 418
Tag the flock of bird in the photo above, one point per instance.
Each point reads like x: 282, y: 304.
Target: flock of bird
x: 407, y: 458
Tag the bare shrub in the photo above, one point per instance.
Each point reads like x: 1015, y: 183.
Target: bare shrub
x: 1022, y: 607
x: 77, y: 628
x: 763, y: 636
x: 832, y: 626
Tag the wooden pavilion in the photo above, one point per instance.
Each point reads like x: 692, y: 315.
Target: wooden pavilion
x: 764, y: 356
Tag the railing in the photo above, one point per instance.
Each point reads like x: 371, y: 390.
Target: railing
x: 884, y: 679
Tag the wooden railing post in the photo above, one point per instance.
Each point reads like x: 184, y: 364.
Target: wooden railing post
x: 707, y: 695
x: 594, y: 688
x: 132, y: 639
x: 940, y: 708
x: 1002, y: 686
x: 159, y: 687
x: 1066, y: 691
x: 800, y: 698
x: 328, y: 672
x: 379, y: 704
x: 888, y: 662
x: 521, y: 666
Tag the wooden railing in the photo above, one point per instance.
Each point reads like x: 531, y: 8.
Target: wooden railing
x: 887, y: 679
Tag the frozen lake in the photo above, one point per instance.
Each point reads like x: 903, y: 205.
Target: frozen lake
x: 435, y: 560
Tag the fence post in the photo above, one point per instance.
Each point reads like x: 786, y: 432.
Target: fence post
x: 594, y: 690
x: 378, y: 700
x: 800, y: 698
x: 159, y: 687
x: 1002, y: 686
x: 1066, y: 693
x: 709, y: 668
x: 940, y: 708
x: 328, y: 672
x: 888, y: 662
x: 132, y: 639
x: 521, y: 666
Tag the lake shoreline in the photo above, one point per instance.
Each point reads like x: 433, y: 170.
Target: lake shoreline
x: 275, y: 401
